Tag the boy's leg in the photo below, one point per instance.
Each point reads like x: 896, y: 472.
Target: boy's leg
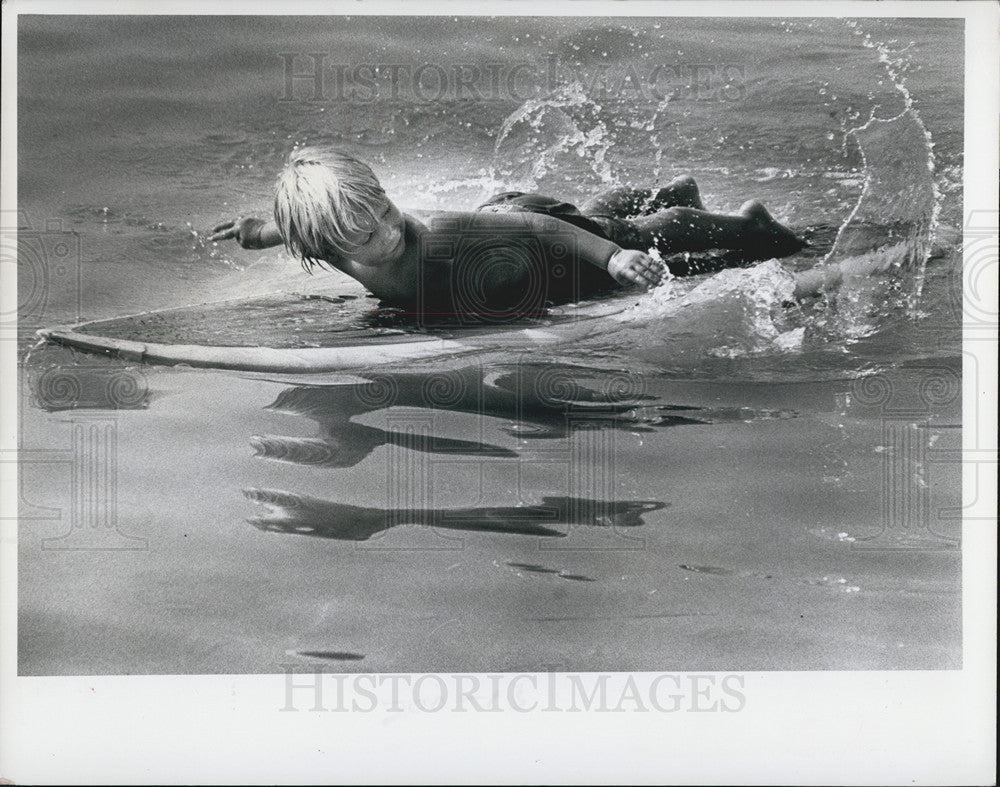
x: 753, y: 231
x: 626, y: 202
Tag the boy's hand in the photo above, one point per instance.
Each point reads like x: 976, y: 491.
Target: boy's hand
x: 634, y: 267
x: 245, y: 231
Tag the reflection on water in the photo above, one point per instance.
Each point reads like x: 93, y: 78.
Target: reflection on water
x: 535, y: 401
x: 91, y: 386
x: 532, y: 401
x: 348, y: 443
x: 329, y: 655
x: 297, y: 514
x: 534, y: 568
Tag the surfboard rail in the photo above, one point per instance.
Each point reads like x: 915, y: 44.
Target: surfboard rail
x: 329, y: 359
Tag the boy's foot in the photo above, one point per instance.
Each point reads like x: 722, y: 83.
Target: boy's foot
x: 684, y: 192
x: 766, y: 234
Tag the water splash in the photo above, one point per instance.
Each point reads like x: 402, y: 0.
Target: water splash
x: 573, y: 140
x: 738, y: 312
x: 572, y: 137
x: 891, y: 229
x: 544, y: 132
x: 900, y: 198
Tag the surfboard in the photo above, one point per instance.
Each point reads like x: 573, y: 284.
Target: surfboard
x: 294, y: 333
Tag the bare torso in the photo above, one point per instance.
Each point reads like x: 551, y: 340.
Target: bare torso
x: 475, y: 261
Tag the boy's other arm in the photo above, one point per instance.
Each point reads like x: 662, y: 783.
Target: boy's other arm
x: 248, y: 232
x: 626, y: 266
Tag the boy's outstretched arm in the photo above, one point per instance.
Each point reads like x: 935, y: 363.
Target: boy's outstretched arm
x: 249, y: 233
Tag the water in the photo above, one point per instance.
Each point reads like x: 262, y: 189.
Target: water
x: 784, y: 450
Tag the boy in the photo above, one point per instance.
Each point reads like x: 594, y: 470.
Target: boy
x: 514, y: 255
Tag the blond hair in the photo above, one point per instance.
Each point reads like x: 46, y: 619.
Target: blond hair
x: 321, y: 198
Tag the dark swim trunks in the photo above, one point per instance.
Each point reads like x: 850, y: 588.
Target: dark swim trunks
x: 619, y: 231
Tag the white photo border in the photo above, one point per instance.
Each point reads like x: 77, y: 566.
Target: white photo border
x: 932, y: 727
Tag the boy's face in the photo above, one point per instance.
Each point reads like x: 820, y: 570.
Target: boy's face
x: 384, y: 244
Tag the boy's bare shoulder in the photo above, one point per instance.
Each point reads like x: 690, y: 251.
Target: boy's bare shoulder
x: 431, y: 218
x: 444, y: 222
x: 451, y: 220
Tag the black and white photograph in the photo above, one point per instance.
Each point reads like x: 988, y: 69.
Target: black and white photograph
x: 438, y: 362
